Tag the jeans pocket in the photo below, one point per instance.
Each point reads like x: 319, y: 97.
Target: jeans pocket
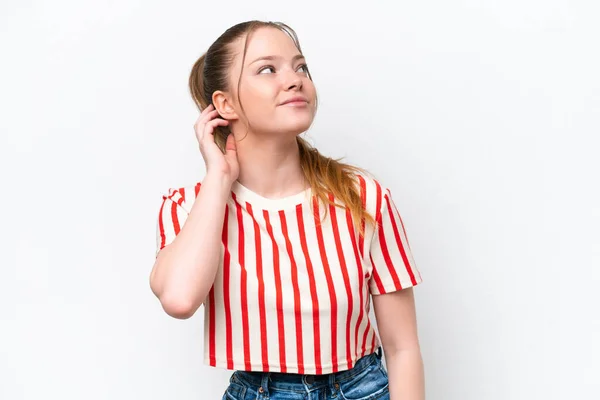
x: 371, y: 383
x: 235, y: 391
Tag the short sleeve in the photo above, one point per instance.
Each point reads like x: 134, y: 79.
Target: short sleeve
x: 393, y: 266
x: 171, y: 217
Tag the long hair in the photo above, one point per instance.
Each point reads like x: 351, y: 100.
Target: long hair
x: 326, y: 176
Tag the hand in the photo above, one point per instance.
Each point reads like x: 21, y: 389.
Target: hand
x: 216, y: 162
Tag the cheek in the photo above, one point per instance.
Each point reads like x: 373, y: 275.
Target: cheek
x: 310, y: 88
x: 258, y: 99
x: 260, y: 91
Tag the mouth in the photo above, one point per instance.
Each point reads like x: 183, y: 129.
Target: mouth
x: 297, y: 101
x: 296, y: 104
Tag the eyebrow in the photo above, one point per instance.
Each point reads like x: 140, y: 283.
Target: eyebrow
x: 296, y: 57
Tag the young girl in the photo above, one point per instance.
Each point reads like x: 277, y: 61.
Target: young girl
x: 282, y: 245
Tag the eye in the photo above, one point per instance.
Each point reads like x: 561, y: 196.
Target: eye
x: 266, y: 68
x: 305, y: 68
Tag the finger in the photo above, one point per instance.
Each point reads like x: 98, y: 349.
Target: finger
x: 200, y: 126
x: 208, y: 116
x: 208, y: 108
x: 204, y: 118
x: 211, y: 125
x: 215, y: 120
x: 230, y: 145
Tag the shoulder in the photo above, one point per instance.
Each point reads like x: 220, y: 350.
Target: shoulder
x: 369, y: 182
x: 183, y: 196
x: 371, y: 189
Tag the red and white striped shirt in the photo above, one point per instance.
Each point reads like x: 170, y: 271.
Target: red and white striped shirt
x: 291, y: 295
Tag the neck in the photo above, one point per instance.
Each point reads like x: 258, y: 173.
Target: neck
x: 270, y: 166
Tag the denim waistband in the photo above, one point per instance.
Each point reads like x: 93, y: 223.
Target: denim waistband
x: 289, y: 380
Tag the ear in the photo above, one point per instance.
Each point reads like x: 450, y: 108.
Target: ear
x: 224, y: 105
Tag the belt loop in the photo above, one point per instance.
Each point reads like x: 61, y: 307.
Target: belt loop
x: 264, y: 385
x: 380, y: 352
x: 333, y: 385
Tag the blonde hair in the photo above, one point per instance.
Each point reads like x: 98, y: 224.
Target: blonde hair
x: 325, y: 175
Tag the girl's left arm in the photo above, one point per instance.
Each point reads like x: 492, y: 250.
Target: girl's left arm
x: 397, y: 324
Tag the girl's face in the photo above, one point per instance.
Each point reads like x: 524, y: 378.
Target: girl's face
x: 274, y: 73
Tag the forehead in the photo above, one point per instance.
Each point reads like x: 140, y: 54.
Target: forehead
x: 267, y: 41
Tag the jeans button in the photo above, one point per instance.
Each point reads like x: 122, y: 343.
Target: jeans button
x: 310, y: 379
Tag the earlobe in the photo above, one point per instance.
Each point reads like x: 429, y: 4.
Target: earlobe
x: 223, y: 105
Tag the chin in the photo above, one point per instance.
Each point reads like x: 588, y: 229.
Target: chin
x: 297, y: 129
x: 289, y: 125
x: 296, y: 125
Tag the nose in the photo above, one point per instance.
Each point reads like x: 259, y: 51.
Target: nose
x: 292, y: 80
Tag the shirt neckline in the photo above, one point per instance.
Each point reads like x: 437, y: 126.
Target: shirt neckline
x: 242, y: 193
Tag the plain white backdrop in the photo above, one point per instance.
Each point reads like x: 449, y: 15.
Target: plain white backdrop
x: 482, y: 116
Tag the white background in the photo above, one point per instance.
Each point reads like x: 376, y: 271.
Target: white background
x: 482, y: 117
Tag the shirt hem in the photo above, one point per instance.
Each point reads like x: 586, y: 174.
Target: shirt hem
x: 392, y: 287
x: 308, y: 370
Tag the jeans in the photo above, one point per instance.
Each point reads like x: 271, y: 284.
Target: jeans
x: 367, y: 380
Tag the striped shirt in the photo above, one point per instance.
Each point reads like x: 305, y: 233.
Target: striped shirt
x: 292, y: 295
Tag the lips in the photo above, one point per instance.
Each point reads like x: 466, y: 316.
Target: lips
x: 295, y: 99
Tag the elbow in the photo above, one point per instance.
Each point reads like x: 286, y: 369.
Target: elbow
x: 174, y: 302
x: 177, y: 307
